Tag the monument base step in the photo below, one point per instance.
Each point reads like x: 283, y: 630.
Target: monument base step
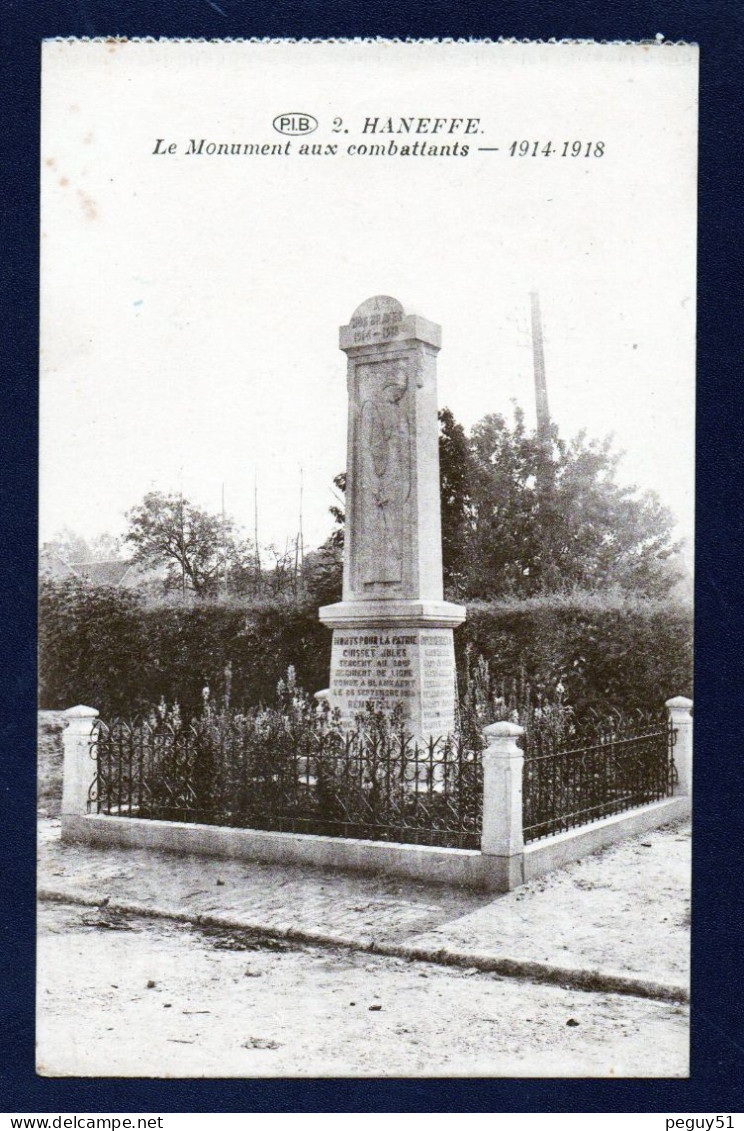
x: 393, y: 613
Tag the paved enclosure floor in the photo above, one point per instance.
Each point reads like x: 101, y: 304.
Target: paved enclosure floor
x: 624, y: 910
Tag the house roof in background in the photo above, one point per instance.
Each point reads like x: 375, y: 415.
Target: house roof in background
x: 110, y: 572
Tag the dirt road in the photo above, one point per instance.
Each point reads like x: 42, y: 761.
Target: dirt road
x: 134, y: 997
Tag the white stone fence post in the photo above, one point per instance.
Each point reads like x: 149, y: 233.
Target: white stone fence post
x: 503, y: 762
x: 78, y: 767
x: 680, y: 719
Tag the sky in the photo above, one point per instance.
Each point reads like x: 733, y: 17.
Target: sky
x: 191, y: 304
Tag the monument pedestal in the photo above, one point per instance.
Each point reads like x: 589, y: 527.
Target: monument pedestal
x: 386, y: 656
x: 392, y: 632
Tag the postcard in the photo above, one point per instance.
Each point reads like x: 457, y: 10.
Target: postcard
x: 367, y: 511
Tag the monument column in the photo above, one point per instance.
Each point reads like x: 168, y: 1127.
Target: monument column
x: 392, y: 631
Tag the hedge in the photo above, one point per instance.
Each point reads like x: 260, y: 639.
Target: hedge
x: 114, y: 650
x: 603, y: 649
x: 111, y: 649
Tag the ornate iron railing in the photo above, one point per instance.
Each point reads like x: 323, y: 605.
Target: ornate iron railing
x: 373, y: 786
x: 612, y: 763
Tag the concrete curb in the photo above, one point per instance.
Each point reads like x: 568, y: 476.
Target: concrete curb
x: 570, y: 977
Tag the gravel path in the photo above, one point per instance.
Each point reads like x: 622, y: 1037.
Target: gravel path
x: 134, y: 997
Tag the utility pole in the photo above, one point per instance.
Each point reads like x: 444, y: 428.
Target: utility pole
x: 224, y: 546
x: 541, y: 386
x: 301, y: 538
x: 296, y: 560
x: 545, y: 468
x: 255, y: 530
x: 183, y: 546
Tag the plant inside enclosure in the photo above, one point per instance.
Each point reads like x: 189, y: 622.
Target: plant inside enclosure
x: 291, y: 766
x: 486, y: 698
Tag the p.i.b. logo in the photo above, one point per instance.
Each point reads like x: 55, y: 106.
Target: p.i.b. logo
x: 295, y: 124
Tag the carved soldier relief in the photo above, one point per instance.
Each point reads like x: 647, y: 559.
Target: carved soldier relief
x: 384, y: 469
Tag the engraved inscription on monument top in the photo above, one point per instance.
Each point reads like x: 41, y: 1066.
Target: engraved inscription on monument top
x: 392, y: 631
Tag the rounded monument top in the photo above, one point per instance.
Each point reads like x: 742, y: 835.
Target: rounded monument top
x: 380, y: 304
x: 385, y: 319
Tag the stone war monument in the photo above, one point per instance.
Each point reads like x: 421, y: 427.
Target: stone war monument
x: 393, y: 631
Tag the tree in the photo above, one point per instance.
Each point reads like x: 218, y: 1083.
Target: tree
x: 197, y: 548
x: 243, y: 576
x: 550, y: 515
x: 322, y: 573
x: 323, y: 570
x: 456, y: 475
x: 339, y: 512
x: 500, y: 549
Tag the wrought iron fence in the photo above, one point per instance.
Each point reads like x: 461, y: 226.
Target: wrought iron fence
x: 370, y: 785
x: 613, y: 762
x: 283, y: 775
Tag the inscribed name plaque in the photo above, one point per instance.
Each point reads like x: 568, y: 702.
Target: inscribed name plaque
x: 392, y: 638
x: 413, y: 667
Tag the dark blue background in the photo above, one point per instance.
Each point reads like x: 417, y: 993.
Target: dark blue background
x: 718, y: 1040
